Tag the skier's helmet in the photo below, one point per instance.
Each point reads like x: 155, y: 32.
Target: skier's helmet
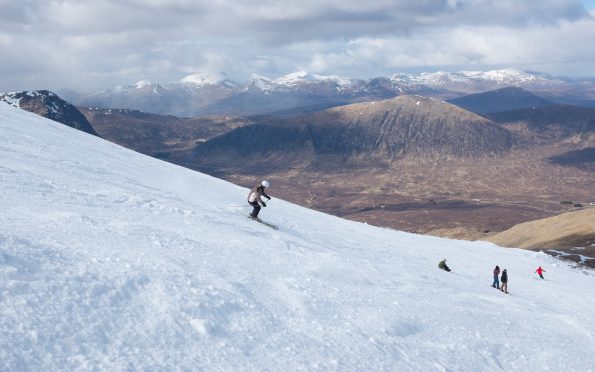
x: 265, y: 184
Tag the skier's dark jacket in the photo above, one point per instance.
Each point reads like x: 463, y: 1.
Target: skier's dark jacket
x: 504, y: 278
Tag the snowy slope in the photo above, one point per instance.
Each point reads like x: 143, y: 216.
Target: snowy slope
x: 505, y: 77
x: 112, y: 260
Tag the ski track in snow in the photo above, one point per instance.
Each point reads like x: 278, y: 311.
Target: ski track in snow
x: 115, y: 261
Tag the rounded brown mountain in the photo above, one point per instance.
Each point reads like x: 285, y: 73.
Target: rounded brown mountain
x: 371, y: 133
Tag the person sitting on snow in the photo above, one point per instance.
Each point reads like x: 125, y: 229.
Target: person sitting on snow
x: 443, y: 266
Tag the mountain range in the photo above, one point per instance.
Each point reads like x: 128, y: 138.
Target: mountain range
x: 299, y: 92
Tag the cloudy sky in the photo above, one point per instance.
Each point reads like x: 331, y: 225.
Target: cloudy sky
x: 94, y: 44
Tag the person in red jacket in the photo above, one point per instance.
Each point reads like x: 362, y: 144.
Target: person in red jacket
x: 540, y: 271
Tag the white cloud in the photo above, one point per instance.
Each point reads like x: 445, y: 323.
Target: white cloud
x: 94, y: 44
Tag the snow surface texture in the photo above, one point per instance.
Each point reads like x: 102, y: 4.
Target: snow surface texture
x: 111, y: 260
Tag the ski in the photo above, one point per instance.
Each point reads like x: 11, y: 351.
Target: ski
x: 500, y: 290
x: 264, y: 223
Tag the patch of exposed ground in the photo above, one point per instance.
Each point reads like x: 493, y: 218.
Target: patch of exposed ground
x: 569, y: 235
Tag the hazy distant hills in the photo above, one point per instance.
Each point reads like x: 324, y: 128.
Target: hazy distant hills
x: 558, y: 125
x: 298, y: 92
x: 503, y: 99
x: 555, y: 121
x: 49, y: 105
x: 162, y: 136
x: 368, y: 134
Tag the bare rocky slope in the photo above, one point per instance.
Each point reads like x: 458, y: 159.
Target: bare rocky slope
x: 49, y: 105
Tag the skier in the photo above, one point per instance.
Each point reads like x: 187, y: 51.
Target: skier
x: 443, y: 266
x: 254, y: 198
x: 504, y: 280
x: 540, y: 271
x: 496, y: 283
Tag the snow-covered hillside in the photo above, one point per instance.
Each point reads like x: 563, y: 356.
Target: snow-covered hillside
x: 110, y: 260
x: 505, y: 77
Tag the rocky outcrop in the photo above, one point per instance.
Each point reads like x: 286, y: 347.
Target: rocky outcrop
x: 49, y: 105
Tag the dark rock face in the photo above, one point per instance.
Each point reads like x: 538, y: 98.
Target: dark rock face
x: 504, y: 99
x: 49, y: 105
x: 360, y: 135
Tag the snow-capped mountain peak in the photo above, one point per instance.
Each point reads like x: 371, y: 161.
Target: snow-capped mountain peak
x: 473, y: 80
x: 293, y: 78
x: 14, y: 98
x: 200, y: 79
x: 502, y: 76
x: 339, y: 80
x: 260, y: 82
x: 208, y: 93
x: 143, y: 84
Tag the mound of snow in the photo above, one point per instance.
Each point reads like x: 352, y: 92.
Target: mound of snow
x: 292, y: 78
x: 111, y: 260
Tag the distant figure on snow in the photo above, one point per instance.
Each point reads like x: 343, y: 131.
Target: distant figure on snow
x: 540, y: 271
x: 496, y: 283
x: 504, y: 280
x: 254, y: 198
x: 443, y: 266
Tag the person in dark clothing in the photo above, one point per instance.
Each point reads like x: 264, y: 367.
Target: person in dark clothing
x: 504, y: 280
x: 254, y: 198
x: 496, y: 283
x: 443, y: 266
x: 540, y: 271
